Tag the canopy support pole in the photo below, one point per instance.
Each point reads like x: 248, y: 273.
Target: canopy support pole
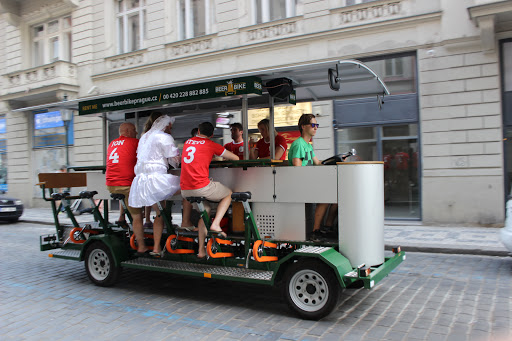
x: 271, y: 128
x: 245, y: 126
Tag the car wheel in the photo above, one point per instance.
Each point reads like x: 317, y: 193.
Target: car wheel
x: 100, y: 265
x: 311, y: 289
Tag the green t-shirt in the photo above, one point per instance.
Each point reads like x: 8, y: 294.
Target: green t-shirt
x: 302, y: 150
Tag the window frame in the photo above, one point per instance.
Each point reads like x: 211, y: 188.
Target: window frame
x: 43, y: 51
x: 186, y: 29
x: 122, y: 19
x: 290, y: 10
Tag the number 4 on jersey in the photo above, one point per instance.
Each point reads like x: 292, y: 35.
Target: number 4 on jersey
x: 114, y: 156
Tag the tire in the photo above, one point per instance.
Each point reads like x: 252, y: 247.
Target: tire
x: 100, y: 265
x: 311, y: 289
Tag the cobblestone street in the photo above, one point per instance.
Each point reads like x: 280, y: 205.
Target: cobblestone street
x: 428, y: 297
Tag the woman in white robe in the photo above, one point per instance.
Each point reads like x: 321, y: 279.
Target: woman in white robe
x: 152, y: 183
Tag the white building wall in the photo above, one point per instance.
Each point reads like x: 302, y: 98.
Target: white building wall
x: 461, y: 127
x: 459, y: 85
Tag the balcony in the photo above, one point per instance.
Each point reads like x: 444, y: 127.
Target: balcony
x: 45, y: 79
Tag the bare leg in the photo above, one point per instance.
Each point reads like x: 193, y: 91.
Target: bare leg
x: 147, y: 214
x: 319, y: 215
x: 201, y: 228
x: 121, y: 214
x: 158, y: 227
x: 201, y: 236
x: 139, y: 232
x: 333, y: 211
x: 221, y: 210
x: 187, y: 212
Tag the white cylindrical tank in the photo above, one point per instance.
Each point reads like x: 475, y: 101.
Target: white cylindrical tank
x: 361, y: 212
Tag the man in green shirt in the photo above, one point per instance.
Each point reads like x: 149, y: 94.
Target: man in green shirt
x: 301, y: 153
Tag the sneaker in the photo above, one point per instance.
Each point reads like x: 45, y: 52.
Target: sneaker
x: 148, y: 224
x: 316, y: 235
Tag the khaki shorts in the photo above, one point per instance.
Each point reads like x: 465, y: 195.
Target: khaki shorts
x: 214, y: 191
x: 126, y: 191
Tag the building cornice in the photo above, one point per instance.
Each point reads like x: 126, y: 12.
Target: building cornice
x: 279, y: 43
x: 487, y: 17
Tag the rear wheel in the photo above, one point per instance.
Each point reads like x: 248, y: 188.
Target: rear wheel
x: 311, y: 289
x: 100, y: 265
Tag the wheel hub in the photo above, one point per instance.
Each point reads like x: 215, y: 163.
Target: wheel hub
x: 308, y: 290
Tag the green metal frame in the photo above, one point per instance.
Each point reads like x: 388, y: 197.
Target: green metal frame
x: 118, y: 243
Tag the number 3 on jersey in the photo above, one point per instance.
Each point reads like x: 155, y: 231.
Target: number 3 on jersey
x: 114, y: 156
x: 190, y: 154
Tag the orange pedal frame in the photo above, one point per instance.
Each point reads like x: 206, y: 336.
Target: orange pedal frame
x: 178, y: 251
x: 76, y: 229
x: 218, y: 254
x: 132, y: 240
x: 261, y: 259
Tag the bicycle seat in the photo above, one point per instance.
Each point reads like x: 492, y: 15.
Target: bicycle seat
x: 241, y: 196
x: 87, y: 194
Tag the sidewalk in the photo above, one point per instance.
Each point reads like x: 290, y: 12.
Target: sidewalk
x: 411, y: 236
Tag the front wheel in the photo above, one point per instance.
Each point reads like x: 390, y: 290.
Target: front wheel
x: 311, y: 289
x: 100, y: 266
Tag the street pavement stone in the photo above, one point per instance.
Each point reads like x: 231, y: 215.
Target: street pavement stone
x: 422, y: 299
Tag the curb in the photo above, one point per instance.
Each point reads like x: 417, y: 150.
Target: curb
x: 445, y: 250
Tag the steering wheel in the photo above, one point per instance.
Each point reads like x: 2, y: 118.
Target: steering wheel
x: 334, y: 159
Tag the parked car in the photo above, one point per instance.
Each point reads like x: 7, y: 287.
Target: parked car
x: 506, y: 232
x: 10, y: 209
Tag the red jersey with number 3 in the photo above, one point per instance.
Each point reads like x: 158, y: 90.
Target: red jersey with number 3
x: 236, y: 148
x: 121, y: 160
x: 195, y: 162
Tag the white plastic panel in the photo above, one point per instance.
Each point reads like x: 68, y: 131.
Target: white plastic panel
x: 280, y: 220
x: 361, y: 212
x: 311, y: 184
x: 257, y: 180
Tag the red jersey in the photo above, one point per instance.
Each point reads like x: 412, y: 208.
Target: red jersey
x: 236, y: 148
x: 402, y: 161
x: 195, y: 162
x: 264, y: 147
x: 121, y: 159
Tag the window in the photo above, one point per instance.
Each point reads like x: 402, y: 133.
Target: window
x: 506, y: 67
x: 269, y: 10
x: 51, y: 41
x: 354, y: 2
x: 195, y: 18
x: 397, y: 146
x: 131, y: 25
x: 50, y: 130
x: 394, y: 67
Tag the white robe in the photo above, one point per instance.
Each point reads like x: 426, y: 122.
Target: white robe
x: 152, y: 183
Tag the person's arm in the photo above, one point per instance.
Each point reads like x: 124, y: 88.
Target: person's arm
x: 316, y: 161
x: 296, y: 161
x: 253, y: 154
x: 229, y: 156
x: 279, y: 152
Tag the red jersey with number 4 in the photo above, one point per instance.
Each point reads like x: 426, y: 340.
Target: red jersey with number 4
x: 121, y: 159
x: 264, y: 147
x: 195, y: 162
x: 236, y: 148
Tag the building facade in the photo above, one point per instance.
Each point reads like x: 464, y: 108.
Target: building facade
x: 444, y: 134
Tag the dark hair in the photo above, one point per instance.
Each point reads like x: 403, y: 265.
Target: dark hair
x: 237, y: 126
x: 193, y: 132
x: 149, y: 122
x: 206, y: 128
x: 305, y: 119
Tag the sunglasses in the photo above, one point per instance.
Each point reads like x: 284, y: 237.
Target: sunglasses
x: 315, y: 125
